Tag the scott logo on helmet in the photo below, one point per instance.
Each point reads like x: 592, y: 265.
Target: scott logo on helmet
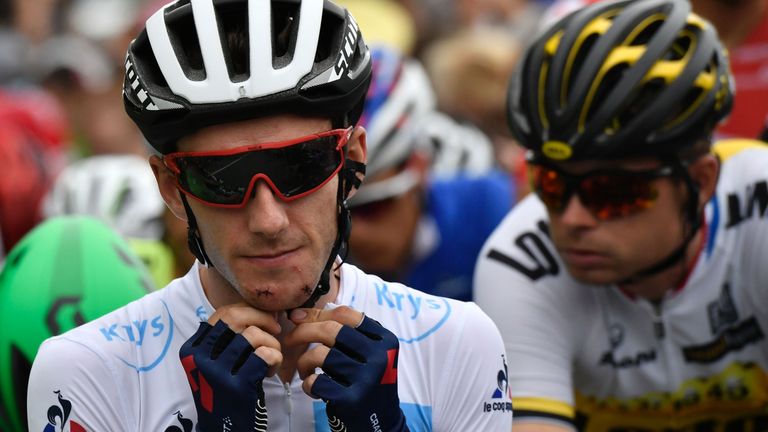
x: 345, y: 56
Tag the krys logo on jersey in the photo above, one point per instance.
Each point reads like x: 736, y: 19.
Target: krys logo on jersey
x: 431, y: 312
x: 152, y: 333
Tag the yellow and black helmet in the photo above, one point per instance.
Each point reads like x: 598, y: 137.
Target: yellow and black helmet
x: 620, y: 79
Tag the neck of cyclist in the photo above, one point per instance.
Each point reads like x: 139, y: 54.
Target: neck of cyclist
x: 220, y: 292
x: 655, y: 287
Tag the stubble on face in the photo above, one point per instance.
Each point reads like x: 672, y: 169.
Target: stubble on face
x: 238, y: 240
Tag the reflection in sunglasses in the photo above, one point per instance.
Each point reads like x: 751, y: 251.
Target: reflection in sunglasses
x: 292, y: 169
x: 607, y: 194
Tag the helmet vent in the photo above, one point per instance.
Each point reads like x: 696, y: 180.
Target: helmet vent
x: 331, y: 29
x: 185, y: 43
x: 144, y: 59
x: 285, y: 31
x: 577, y: 64
x: 683, y: 108
x: 232, y: 20
x: 644, y: 36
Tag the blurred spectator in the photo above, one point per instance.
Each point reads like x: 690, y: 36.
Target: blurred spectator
x: 33, y: 20
x: 110, y: 23
x: 88, y: 83
x: 411, y: 224
x: 470, y: 70
x: 436, y: 19
x: 121, y: 191
x: 32, y: 135
x: 383, y: 22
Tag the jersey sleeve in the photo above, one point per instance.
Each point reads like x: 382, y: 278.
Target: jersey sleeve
x: 520, y: 283
x: 72, y: 388
x: 474, y: 383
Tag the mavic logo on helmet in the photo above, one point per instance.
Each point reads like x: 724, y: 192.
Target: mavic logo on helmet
x: 347, y: 51
x: 134, y: 85
x: 556, y: 150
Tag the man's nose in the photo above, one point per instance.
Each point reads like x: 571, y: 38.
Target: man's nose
x: 576, y: 215
x: 266, y: 212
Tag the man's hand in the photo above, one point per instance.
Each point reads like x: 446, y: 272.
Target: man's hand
x: 359, y: 360
x: 226, y: 361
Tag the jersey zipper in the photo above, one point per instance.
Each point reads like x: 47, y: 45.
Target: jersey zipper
x: 660, y: 331
x: 289, y: 402
x: 658, y: 321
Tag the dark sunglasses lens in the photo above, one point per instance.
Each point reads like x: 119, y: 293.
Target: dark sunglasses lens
x: 202, y: 177
x: 302, y: 167
x: 549, y: 185
x: 293, y: 169
x: 614, y: 196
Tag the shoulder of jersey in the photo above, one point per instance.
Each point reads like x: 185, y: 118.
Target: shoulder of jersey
x: 414, y: 316
x: 742, y: 190
x: 138, y: 335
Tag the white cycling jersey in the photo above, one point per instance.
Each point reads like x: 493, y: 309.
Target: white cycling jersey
x: 122, y: 372
x: 598, y: 359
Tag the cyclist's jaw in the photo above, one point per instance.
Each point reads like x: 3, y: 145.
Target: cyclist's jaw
x: 269, y: 253
x: 608, y: 251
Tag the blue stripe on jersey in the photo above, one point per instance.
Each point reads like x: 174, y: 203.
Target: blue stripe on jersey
x: 713, y: 225
x: 418, y: 417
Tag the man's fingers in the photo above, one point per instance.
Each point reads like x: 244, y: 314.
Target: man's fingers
x: 341, y: 314
x: 258, y: 337
x: 311, y: 360
x: 272, y: 357
x: 240, y: 316
x: 307, y: 385
x: 323, y: 332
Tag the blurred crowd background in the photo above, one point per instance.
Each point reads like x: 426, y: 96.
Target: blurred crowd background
x: 67, y: 147
x: 443, y: 169
x: 435, y: 116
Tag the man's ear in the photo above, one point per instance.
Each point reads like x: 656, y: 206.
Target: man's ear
x: 357, y: 151
x: 166, y: 182
x: 704, y: 173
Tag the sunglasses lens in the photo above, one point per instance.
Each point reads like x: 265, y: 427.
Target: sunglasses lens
x: 549, y: 185
x: 606, y: 195
x: 614, y: 196
x: 293, y: 169
x: 302, y: 167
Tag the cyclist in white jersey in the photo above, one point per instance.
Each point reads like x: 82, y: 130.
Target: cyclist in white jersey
x: 631, y: 289
x: 251, y: 108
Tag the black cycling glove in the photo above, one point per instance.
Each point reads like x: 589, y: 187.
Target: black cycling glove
x: 359, y: 385
x: 226, y: 380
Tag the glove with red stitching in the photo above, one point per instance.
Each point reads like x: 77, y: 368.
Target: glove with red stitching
x: 359, y: 383
x: 225, y: 377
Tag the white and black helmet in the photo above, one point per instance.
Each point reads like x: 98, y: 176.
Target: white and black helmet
x: 185, y: 72
x: 117, y: 189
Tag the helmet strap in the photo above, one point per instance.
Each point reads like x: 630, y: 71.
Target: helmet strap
x: 693, y: 216
x: 348, y: 179
x: 194, y: 241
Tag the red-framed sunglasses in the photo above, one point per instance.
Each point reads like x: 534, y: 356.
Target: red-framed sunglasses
x: 292, y: 169
x: 607, y: 194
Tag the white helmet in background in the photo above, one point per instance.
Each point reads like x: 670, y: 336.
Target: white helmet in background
x: 453, y: 147
x: 399, y: 95
x: 118, y: 189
